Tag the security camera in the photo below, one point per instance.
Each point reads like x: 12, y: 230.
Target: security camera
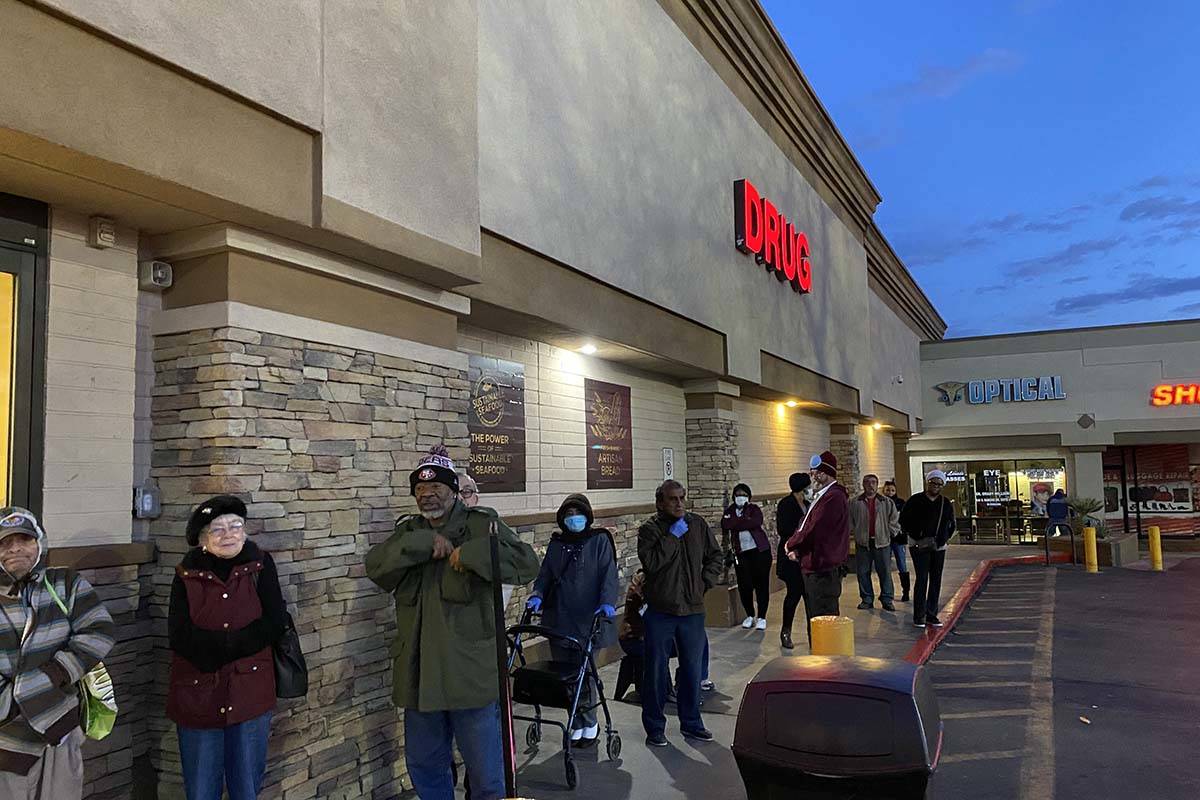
x: 899, y: 379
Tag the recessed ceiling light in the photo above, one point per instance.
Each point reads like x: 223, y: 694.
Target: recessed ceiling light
x: 588, y: 349
x: 792, y: 404
x: 878, y: 426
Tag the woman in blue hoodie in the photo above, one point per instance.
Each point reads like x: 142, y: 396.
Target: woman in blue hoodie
x: 578, y: 580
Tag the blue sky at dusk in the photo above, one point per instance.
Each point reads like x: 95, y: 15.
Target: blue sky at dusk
x: 1039, y: 160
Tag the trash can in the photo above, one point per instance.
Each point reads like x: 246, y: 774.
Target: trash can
x: 838, y: 727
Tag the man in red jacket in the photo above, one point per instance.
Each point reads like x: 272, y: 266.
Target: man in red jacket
x: 822, y: 543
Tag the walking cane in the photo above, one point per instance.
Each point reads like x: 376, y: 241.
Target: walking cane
x: 506, y: 729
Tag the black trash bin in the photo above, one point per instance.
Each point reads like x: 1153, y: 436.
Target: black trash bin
x: 838, y: 727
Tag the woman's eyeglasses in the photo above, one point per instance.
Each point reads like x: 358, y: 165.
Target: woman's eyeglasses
x: 233, y: 527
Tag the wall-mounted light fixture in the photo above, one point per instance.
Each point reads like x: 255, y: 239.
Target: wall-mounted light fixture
x: 878, y: 426
x: 588, y: 349
x: 792, y: 403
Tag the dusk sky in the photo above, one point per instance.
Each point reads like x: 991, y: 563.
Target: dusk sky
x: 1039, y: 160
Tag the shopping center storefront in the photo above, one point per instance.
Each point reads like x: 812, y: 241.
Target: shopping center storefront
x: 581, y: 268
x: 1103, y: 413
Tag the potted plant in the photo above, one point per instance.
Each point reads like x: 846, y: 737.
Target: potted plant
x: 1083, y: 509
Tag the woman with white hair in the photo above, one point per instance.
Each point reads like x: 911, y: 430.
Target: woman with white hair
x: 928, y: 521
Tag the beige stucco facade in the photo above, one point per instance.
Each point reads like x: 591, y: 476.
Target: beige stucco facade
x: 356, y: 200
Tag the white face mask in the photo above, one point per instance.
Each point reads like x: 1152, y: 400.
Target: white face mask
x: 808, y: 493
x: 741, y: 500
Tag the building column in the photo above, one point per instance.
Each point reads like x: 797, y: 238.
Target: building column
x: 903, y: 477
x: 712, y: 463
x: 843, y: 443
x: 1089, y: 473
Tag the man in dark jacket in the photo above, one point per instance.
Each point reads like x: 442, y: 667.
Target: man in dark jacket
x: 899, y: 541
x: 1058, y: 508
x: 928, y: 520
x: 822, y: 543
x: 682, y: 561
x: 577, y: 582
x: 437, y: 565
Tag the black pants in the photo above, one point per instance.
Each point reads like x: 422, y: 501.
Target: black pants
x: 928, y: 589
x: 795, y: 593
x: 821, y: 593
x: 754, y: 579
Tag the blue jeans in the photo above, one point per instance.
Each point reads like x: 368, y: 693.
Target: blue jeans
x: 428, y: 736
x: 899, y: 552
x: 880, y: 558
x: 690, y: 639
x: 214, y: 759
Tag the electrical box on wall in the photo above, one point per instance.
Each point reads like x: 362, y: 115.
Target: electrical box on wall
x: 102, y: 233
x: 154, y: 276
x: 147, y: 500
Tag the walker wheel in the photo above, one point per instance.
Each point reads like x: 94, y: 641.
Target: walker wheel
x: 614, y: 747
x: 533, y: 734
x: 572, y: 775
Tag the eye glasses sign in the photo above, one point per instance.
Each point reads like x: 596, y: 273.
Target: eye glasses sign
x: 1175, y: 394
x: 985, y: 391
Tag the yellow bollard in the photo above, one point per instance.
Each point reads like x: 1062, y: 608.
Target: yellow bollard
x: 1089, y: 550
x: 1155, y: 548
x: 832, y: 636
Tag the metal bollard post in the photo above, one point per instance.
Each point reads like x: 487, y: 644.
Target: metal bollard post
x: 1156, y: 563
x: 832, y: 636
x: 1089, y: 550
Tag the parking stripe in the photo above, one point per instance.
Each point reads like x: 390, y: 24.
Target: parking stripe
x: 989, y: 663
x: 985, y: 714
x: 981, y: 685
x: 990, y: 644
x: 955, y: 758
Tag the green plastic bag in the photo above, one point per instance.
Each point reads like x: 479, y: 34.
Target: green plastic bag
x: 97, y: 700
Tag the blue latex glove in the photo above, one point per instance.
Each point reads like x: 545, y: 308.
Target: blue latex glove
x: 534, y: 603
x: 606, y: 610
x: 679, y: 528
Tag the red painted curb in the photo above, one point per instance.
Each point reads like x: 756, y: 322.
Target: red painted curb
x: 929, y: 641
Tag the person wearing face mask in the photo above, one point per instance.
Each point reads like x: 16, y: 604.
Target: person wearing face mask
x: 788, y: 516
x: 822, y: 542
x: 928, y: 519
x: 43, y: 653
x: 437, y: 565
x: 227, y: 612
x: 743, y: 521
x: 577, y: 581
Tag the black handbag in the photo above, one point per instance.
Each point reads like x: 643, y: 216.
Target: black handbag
x: 291, y: 673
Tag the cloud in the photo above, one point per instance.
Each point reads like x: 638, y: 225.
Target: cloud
x: 1069, y: 256
x: 1140, y: 286
x: 1190, y: 308
x: 1154, y: 182
x: 1076, y: 279
x: 1173, y: 213
x: 939, y: 82
x: 924, y: 251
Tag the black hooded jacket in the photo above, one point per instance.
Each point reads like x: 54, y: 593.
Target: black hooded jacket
x: 578, y: 575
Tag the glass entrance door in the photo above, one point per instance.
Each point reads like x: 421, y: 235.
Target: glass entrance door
x: 16, y: 314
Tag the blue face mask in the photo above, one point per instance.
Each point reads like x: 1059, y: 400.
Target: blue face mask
x: 575, y: 523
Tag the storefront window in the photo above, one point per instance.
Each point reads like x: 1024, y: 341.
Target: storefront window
x: 1001, y: 501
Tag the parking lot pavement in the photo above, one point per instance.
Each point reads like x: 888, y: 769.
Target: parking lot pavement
x: 689, y: 770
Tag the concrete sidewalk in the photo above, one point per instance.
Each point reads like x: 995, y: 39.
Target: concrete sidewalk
x: 688, y: 770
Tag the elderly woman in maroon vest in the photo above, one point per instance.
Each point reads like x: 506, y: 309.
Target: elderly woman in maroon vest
x: 227, y: 612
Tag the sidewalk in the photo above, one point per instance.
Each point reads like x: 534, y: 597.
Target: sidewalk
x: 687, y: 770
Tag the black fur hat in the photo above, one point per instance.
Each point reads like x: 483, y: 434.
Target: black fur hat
x: 209, y: 510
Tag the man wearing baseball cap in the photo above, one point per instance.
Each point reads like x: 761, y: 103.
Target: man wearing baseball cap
x: 44, y: 652
x: 822, y: 542
x: 437, y: 565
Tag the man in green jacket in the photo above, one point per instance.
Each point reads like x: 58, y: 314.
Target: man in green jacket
x: 438, y: 567
x: 682, y: 561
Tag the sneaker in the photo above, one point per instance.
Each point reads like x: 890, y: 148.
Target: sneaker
x: 576, y: 734
x: 934, y: 621
x: 748, y: 623
x: 707, y: 686
x: 761, y: 624
x: 701, y: 735
x: 591, y: 733
x: 656, y: 740
x: 918, y: 624
x: 864, y: 605
x: 887, y: 606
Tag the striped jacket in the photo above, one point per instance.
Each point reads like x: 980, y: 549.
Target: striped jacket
x: 42, y: 655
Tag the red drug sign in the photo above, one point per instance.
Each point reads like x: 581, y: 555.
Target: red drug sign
x: 760, y: 229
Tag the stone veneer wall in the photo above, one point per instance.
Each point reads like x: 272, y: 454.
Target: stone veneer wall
x: 108, y: 764
x: 845, y: 447
x: 319, y: 440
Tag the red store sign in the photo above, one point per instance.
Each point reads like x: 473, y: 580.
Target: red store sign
x: 1175, y: 394
x: 761, y: 230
